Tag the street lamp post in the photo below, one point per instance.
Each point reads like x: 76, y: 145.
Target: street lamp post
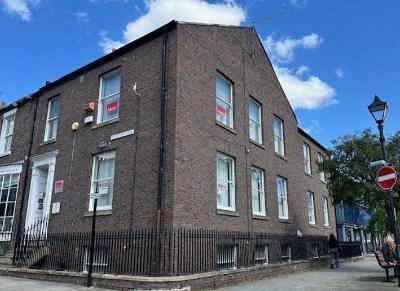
x: 378, y: 109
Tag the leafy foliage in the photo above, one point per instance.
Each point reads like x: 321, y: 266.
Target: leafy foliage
x: 353, y: 181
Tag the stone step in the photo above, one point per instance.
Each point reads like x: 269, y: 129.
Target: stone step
x: 4, y: 261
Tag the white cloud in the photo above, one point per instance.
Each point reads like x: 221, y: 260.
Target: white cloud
x: 302, y: 70
x: 82, y: 16
x: 22, y: 8
x: 307, y: 93
x: 282, y: 50
x: 302, y: 88
x: 313, y: 127
x: 298, y: 3
x: 108, y: 44
x: 159, y: 12
x: 339, y: 73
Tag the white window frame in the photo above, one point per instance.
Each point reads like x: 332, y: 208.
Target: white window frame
x: 230, y: 183
x: 230, y: 105
x: 279, y: 138
x: 307, y: 158
x: 325, y: 209
x: 282, y: 199
x: 50, y: 120
x: 289, y: 252
x: 321, y: 173
x: 6, y: 118
x: 311, y: 207
x: 94, y: 180
x: 265, y: 258
x: 6, y: 235
x: 102, y: 98
x: 257, y: 123
x: 259, y: 193
x: 229, y: 257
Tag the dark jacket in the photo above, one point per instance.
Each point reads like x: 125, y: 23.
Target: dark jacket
x: 388, y: 254
x: 333, y: 243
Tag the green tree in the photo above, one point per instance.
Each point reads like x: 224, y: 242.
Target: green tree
x: 353, y: 181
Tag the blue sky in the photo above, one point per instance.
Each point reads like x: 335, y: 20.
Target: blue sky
x: 331, y: 56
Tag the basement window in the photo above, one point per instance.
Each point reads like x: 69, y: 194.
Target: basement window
x: 100, y: 260
x: 261, y: 255
x: 314, y: 251
x: 227, y: 257
x: 286, y: 253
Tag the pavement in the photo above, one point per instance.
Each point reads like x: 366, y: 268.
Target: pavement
x: 21, y: 284
x: 356, y: 276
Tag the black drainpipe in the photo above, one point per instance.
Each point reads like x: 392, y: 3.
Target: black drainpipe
x: 28, y: 160
x: 162, y: 134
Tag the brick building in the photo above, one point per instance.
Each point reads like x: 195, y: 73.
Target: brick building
x: 185, y: 127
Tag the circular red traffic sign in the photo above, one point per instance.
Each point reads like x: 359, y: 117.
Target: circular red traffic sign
x: 386, y: 177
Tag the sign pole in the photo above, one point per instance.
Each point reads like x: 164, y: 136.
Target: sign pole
x: 91, y: 251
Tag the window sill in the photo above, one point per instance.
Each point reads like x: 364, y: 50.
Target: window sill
x: 98, y: 125
x: 98, y: 213
x: 280, y: 156
x: 260, y: 217
x: 324, y: 182
x: 5, y: 154
x: 313, y: 226
x: 309, y: 175
x: 257, y: 144
x: 47, y: 142
x: 284, y: 220
x: 327, y: 227
x: 226, y: 127
x: 227, y: 212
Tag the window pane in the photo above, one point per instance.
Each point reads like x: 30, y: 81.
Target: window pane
x: 10, y: 125
x: 7, y: 224
x: 223, y: 112
x: 14, y: 180
x: 255, y: 131
x: 105, y: 168
x: 225, y: 183
x: 54, y: 108
x: 223, y: 89
x: 13, y: 194
x: 111, y: 84
x: 277, y: 127
x: 7, y: 143
x: 2, y: 209
x: 10, y: 209
x: 110, y: 108
x: 254, y: 111
x: 4, y: 194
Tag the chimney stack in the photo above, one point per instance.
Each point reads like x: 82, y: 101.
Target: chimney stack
x: 2, y: 104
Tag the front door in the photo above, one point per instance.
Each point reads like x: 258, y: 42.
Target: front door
x: 40, y: 194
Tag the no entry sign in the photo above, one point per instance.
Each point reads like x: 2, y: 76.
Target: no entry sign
x: 386, y: 177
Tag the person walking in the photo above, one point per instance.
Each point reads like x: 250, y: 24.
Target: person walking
x: 333, y: 250
x: 388, y: 250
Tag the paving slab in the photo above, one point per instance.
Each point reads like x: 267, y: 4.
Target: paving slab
x: 21, y: 284
x: 361, y: 275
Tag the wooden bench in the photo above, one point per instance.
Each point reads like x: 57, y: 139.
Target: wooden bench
x: 382, y: 262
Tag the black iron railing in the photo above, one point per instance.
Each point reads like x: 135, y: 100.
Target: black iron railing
x: 171, y: 252
x: 31, y: 247
x: 350, y: 249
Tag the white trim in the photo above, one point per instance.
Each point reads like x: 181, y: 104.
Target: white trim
x: 111, y: 154
x: 6, y: 116
x: 101, y: 98
x: 10, y: 169
x: 9, y: 113
x: 49, y: 105
x: 47, y: 159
